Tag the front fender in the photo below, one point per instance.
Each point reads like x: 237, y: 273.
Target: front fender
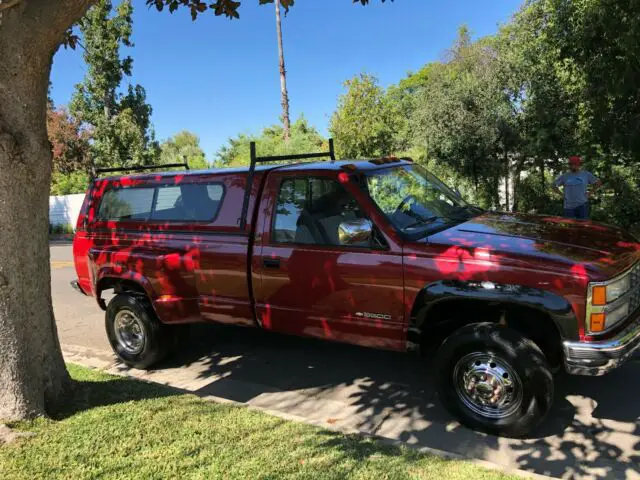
x: 558, y: 308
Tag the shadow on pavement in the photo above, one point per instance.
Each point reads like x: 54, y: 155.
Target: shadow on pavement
x: 592, y: 431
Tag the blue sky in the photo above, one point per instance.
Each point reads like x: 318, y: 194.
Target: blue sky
x: 217, y: 77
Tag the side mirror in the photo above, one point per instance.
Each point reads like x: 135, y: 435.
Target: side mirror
x: 355, y: 231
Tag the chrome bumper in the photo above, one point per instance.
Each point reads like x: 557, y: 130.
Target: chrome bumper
x: 598, y: 358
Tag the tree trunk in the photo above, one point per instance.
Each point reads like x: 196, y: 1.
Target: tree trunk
x: 32, y: 372
x: 496, y: 192
x: 283, y: 77
x: 507, y: 172
x: 516, y: 182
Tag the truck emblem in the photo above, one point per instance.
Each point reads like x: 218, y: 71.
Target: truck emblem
x: 379, y: 316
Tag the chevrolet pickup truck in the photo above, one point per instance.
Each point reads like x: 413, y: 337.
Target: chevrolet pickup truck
x: 377, y: 253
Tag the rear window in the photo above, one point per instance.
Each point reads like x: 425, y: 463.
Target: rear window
x: 193, y: 202
x: 126, y: 204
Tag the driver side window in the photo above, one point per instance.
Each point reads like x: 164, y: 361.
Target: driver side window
x: 311, y: 210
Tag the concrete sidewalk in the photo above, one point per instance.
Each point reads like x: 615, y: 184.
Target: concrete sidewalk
x: 593, y: 430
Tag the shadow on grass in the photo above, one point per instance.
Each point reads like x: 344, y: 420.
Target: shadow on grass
x: 394, y: 395
x: 88, y: 394
x: 195, y: 438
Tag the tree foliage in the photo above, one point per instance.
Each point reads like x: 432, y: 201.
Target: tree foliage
x: 69, y: 141
x: 183, y: 146
x: 502, y: 113
x: 363, y: 124
x: 304, y: 139
x: 120, y: 120
x: 228, y: 8
x: 464, y: 118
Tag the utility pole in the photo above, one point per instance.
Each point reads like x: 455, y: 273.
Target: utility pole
x: 283, y: 77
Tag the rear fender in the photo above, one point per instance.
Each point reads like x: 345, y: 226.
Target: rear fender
x: 168, y: 308
x: 107, y: 277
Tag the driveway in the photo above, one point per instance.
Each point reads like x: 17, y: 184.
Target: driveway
x: 592, y: 432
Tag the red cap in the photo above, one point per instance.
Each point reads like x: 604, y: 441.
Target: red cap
x: 575, y: 160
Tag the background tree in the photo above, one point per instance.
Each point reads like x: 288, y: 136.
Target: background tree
x: 183, y: 146
x: 120, y: 121
x: 70, y: 150
x: 34, y: 379
x: 581, y: 89
x: 304, y: 139
x: 284, y: 95
x: 363, y: 124
x: 498, y: 116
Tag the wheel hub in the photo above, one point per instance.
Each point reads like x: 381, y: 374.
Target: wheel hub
x: 129, y: 332
x: 487, y: 384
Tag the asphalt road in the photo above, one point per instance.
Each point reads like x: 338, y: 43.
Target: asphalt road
x: 593, y: 430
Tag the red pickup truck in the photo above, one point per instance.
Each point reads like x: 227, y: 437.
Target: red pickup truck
x: 377, y: 253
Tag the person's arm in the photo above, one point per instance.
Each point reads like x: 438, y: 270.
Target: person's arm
x: 557, y: 182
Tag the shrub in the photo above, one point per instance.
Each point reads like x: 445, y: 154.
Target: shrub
x: 61, y: 229
x: 534, y: 197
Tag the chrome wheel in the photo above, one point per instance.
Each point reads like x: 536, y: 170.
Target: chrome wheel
x: 129, y: 331
x: 487, y: 384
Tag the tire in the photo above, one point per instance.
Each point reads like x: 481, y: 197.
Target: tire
x: 494, y: 379
x: 136, y: 335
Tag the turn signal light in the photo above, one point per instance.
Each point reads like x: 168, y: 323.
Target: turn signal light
x: 597, y: 322
x: 599, y: 294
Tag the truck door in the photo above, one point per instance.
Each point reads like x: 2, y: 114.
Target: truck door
x: 311, y: 283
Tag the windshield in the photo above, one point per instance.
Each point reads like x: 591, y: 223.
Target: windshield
x: 415, y: 201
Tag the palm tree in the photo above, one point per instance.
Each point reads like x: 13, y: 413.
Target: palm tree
x: 283, y: 77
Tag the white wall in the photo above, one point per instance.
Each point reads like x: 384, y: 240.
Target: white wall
x: 64, y: 209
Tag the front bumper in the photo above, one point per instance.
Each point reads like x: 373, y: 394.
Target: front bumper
x: 598, y: 358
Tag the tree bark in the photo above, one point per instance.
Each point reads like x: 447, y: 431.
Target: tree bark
x: 283, y: 77
x: 32, y: 372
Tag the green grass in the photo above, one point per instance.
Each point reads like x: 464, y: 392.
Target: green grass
x: 122, y: 428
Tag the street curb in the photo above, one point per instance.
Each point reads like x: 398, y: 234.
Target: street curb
x: 106, y: 361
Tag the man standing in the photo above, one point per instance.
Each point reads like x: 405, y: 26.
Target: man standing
x: 575, y: 183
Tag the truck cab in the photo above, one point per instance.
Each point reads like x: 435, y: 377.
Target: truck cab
x: 377, y: 253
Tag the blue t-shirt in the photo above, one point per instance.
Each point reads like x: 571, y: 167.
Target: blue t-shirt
x: 575, y: 187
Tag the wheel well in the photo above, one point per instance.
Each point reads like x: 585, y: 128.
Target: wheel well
x: 447, y: 316
x: 118, y: 285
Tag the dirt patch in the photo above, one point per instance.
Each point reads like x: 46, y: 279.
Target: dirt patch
x: 8, y: 436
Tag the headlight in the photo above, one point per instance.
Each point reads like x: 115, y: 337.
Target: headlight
x: 616, y: 316
x: 604, y: 309
x: 618, y: 288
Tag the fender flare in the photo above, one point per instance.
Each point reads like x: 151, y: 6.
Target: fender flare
x: 555, y: 306
x: 110, y: 274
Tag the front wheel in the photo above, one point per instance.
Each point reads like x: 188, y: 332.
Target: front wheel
x: 494, y: 379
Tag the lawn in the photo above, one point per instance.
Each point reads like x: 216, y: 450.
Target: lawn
x: 122, y: 428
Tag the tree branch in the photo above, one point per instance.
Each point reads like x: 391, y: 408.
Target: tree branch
x: 44, y: 21
x: 6, y: 4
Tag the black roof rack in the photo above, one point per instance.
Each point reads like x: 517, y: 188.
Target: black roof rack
x: 139, y: 168
x: 275, y: 158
